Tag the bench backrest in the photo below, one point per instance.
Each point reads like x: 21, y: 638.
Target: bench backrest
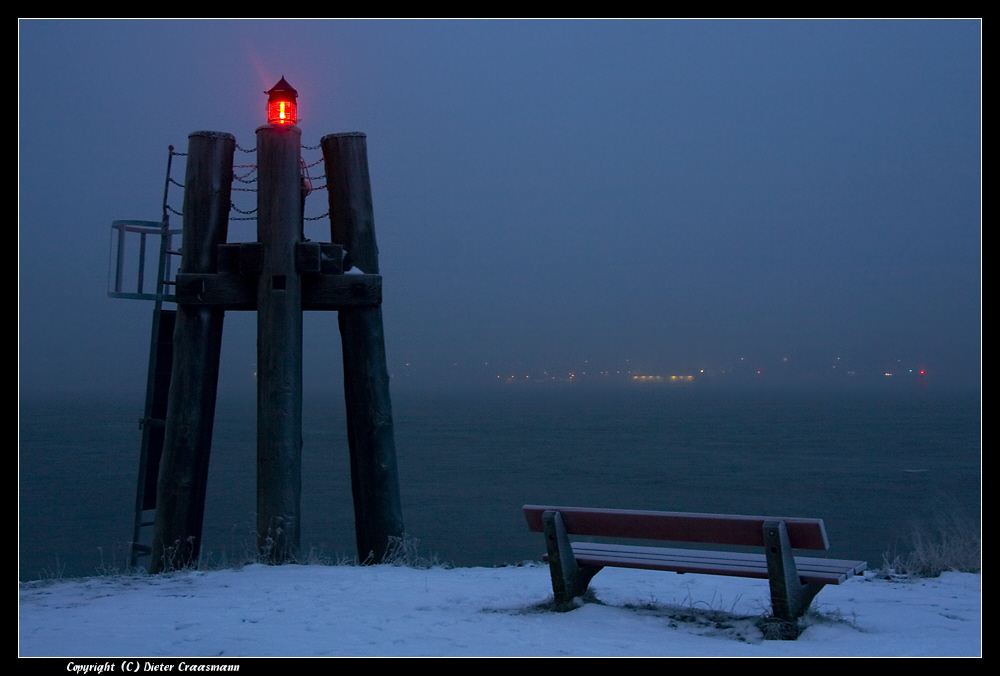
x: 721, y: 529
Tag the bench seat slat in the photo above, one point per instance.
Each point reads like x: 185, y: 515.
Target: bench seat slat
x: 848, y: 567
x: 824, y: 571
x: 808, y: 563
x: 678, y: 562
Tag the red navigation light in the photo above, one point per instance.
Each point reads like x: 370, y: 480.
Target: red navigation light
x: 281, y: 107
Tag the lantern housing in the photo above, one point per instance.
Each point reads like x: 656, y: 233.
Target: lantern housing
x: 281, y: 108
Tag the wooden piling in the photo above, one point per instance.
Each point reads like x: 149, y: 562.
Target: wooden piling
x: 378, y: 514
x: 279, y: 343
x: 183, y: 477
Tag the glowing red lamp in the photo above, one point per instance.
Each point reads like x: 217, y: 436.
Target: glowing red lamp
x: 281, y: 107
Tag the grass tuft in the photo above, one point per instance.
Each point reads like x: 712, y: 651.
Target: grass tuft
x: 775, y: 629
x: 402, y: 551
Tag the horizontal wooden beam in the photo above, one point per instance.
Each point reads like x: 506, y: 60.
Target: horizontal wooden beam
x: 339, y: 292
x: 319, y: 291
x: 246, y: 258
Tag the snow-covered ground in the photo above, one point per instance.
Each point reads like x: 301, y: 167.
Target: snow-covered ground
x: 390, y: 610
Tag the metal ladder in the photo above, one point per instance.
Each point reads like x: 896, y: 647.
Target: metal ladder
x: 158, y: 374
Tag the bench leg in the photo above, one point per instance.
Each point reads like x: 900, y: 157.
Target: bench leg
x: 789, y: 597
x: 568, y: 579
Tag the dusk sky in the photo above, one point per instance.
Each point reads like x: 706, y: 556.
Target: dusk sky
x: 547, y: 194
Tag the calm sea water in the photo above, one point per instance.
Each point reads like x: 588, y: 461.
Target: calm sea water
x: 874, y: 467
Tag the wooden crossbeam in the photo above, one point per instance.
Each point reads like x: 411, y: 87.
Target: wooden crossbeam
x: 319, y: 291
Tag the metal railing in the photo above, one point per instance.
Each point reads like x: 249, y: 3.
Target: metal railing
x: 123, y: 251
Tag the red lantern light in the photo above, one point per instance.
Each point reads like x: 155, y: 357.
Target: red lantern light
x: 281, y: 107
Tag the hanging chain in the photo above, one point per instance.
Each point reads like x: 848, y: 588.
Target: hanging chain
x: 245, y: 178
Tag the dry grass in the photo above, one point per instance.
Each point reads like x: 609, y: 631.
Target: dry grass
x: 951, y: 545
x: 402, y: 551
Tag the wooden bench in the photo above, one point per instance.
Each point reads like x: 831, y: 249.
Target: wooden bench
x: 794, y: 580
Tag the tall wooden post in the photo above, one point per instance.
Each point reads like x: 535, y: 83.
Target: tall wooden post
x: 183, y: 477
x: 378, y: 514
x: 279, y: 343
